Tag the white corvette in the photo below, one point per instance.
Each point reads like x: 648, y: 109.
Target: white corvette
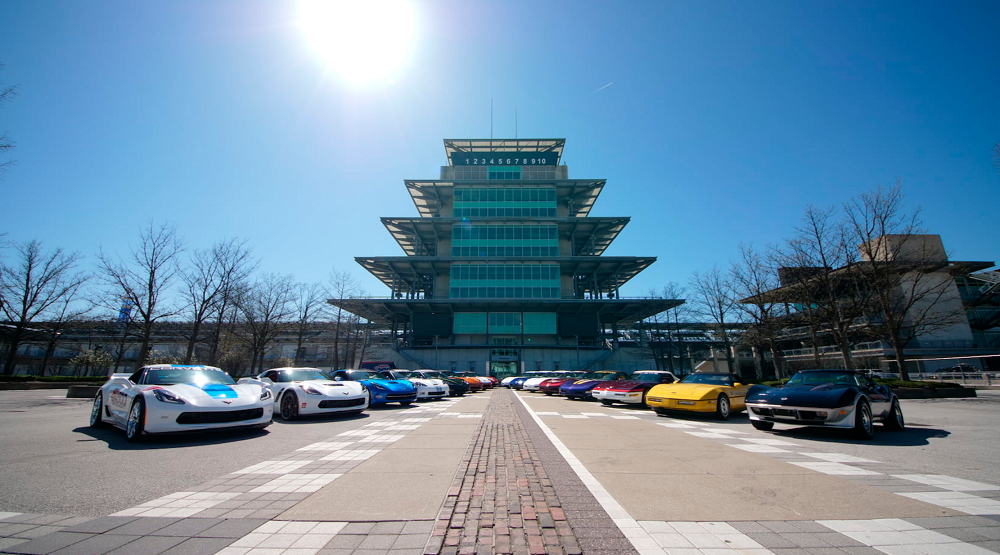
x: 308, y: 391
x: 165, y: 398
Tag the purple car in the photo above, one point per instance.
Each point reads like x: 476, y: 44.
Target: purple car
x: 581, y: 388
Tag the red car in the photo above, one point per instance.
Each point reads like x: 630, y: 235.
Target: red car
x: 631, y: 390
x: 551, y: 385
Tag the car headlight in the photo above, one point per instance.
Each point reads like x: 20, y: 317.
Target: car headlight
x: 378, y: 387
x: 165, y: 396
x: 311, y: 390
x: 265, y: 394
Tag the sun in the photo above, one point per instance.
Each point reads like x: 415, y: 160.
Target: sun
x: 362, y: 40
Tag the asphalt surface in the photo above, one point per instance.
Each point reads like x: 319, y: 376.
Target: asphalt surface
x: 54, y: 468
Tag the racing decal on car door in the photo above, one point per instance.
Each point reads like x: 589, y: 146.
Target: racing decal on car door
x: 119, y: 399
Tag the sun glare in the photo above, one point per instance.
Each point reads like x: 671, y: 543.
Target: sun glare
x: 362, y: 40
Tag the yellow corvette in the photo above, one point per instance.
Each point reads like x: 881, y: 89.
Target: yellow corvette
x: 722, y: 394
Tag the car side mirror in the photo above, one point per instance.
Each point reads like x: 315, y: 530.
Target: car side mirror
x: 737, y: 384
x: 267, y: 381
x: 338, y: 379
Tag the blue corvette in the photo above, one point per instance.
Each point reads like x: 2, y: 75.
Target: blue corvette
x: 582, y: 388
x: 383, y: 391
x: 828, y: 398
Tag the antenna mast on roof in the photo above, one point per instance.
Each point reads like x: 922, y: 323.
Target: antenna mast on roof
x: 491, y: 123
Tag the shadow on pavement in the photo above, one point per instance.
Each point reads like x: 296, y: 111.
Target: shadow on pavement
x: 115, y: 438
x: 908, y: 437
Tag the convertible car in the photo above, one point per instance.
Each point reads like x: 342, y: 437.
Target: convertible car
x: 308, y: 391
x: 722, y: 394
x: 829, y: 398
x: 165, y: 398
x: 581, y: 388
x: 382, y: 391
x: 632, y: 390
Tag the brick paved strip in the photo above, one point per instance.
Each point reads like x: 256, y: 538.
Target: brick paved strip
x: 503, y: 500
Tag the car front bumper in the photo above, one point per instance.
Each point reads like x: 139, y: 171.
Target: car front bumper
x: 841, y: 417
x: 631, y: 397
x: 690, y: 405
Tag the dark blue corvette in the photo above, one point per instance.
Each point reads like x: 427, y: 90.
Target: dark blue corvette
x: 383, y: 391
x: 828, y: 398
x: 581, y: 388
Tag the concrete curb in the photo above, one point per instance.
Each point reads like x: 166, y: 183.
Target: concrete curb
x: 82, y: 391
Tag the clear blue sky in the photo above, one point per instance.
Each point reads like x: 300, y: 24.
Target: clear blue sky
x: 714, y: 122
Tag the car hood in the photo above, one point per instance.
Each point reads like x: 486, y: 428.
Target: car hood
x: 624, y: 384
x: 427, y: 382
x: 330, y: 386
x: 404, y: 386
x: 686, y: 390
x: 212, y: 392
x: 823, y: 396
x: 580, y: 384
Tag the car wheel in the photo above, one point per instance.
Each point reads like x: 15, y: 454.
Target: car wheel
x: 97, y: 411
x: 548, y: 393
x: 289, y: 406
x: 405, y: 403
x: 722, y: 407
x: 863, y: 428
x: 607, y: 403
x: 894, y: 420
x: 136, y: 420
x: 660, y: 411
x: 762, y: 425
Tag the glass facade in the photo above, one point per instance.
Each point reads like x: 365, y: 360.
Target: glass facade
x: 505, y: 202
x: 469, y: 322
x: 504, y: 240
x: 537, y: 323
x: 504, y: 172
x: 504, y: 281
x: 505, y: 322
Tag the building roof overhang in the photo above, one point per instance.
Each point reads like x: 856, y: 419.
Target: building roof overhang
x: 451, y: 146
x: 386, y: 311
x: 801, y: 291
x: 430, y: 195
x: 610, y: 272
x: 590, y: 235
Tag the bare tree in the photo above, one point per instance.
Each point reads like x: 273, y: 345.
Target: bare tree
x: 6, y: 94
x: 309, y: 304
x: 68, y: 310
x: 31, y: 286
x: 206, y: 281
x: 821, y: 268
x: 906, y: 272
x: 235, y: 265
x: 143, y: 279
x: 265, y: 311
x: 751, y: 278
x: 340, y: 285
x: 713, y: 299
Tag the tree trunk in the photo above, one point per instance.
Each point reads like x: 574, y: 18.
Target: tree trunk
x: 191, y: 342
x: 14, y: 342
x: 897, y: 347
x: 845, y: 352
x: 776, y: 358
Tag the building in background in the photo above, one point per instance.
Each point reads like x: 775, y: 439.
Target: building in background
x: 503, y: 268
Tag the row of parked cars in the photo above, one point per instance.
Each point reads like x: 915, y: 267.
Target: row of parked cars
x: 827, y: 398
x: 165, y: 398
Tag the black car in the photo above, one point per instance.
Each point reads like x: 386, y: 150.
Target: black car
x: 828, y: 398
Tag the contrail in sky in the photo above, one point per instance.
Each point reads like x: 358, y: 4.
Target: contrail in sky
x: 602, y: 88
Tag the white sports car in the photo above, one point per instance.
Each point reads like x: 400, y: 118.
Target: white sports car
x: 165, y: 398
x: 308, y: 391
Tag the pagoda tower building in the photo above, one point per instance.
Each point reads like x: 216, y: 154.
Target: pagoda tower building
x: 502, y: 269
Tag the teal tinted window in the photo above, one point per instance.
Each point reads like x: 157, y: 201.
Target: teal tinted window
x: 469, y: 322
x: 505, y: 322
x: 539, y: 322
x: 504, y: 281
x: 504, y: 240
x: 506, y: 202
x: 504, y: 172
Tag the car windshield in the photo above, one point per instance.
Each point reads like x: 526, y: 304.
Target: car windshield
x: 820, y: 378
x: 432, y: 374
x: 300, y: 375
x: 194, y: 376
x: 647, y: 377
x: 713, y: 379
x: 603, y: 375
x: 361, y: 375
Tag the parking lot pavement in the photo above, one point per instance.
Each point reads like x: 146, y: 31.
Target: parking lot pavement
x: 519, y: 473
